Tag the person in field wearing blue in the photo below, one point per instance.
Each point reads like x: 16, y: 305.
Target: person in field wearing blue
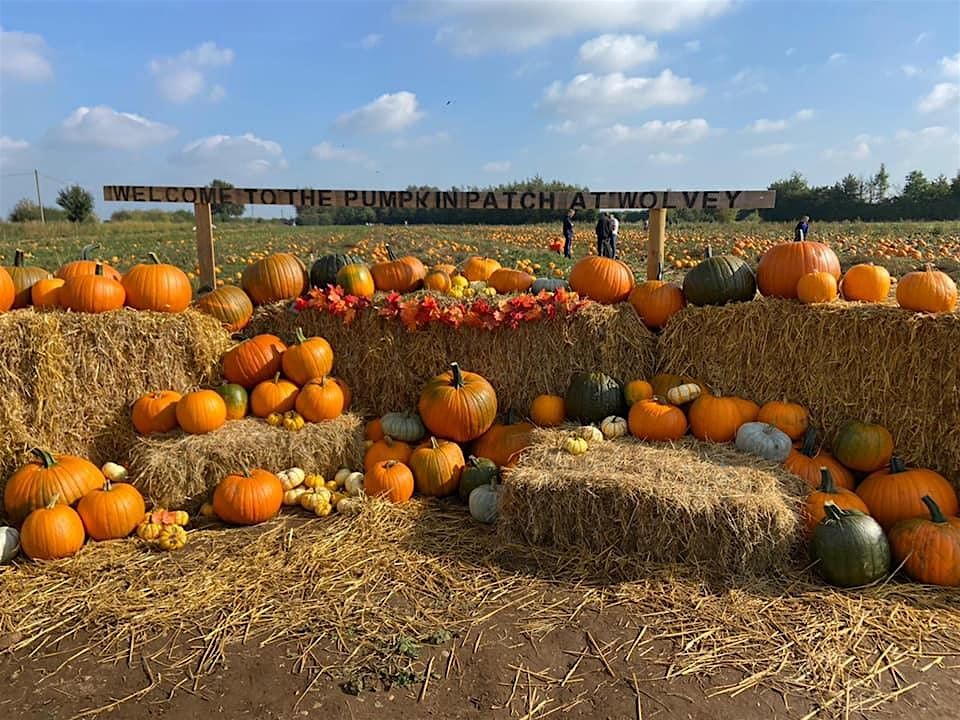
x: 802, y: 229
x: 568, y: 232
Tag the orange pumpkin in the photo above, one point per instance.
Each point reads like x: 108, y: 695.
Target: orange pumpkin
x: 805, y: 462
x: 228, y: 304
x: 437, y: 468
x: 548, y: 410
x: 7, y: 291
x: 656, y: 301
x: 398, y: 274
x: 111, y: 512
x: 248, y: 499
x: 46, y: 292
x: 715, y: 418
x: 789, y: 417
x: 92, y: 293
x: 637, y: 390
x: 24, y: 277
x: 447, y: 268
x: 436, y: 280
x: 356, y: 280
x: 307, y: 358
x: 506, y: 281
x: 389, y: 479
x: 65, y: 477
x: 373, y: 430
x: 86, y: 266
x: 458, y: 405
x: 157, y: 286
x: 52, y: 531
x: 273, y: 396
x: 602, y: 279
x: 866, y: 282
x: 929, y: 548
x: 927, y: 290
x: 155, y: 412
x: 503, y: 443
x: 826, y: 492
x: 386, y: 449
x: 896, y: 493
x: 477, y: 268
x: 253, y: 360
x: 863, y: 446
x: 655, y: 419
x: 201, y: 411
x: 782, y: 266
x: 281, y: 276
x: 320, y: 399
x: 817, y: 287
x: 749, y: 410
x: 347, y: 393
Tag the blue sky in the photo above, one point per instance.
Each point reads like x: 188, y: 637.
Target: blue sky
x: 639, y: 94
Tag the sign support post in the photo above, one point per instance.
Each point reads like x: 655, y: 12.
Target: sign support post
x: 656, y: 240
x: 205, y: 255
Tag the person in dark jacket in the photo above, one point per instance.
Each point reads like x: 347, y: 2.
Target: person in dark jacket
x: 802, y: 229
x: 568, y: 232
x: 604, y: 230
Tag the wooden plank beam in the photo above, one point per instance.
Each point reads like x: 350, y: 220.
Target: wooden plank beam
x: 656, y: 240
x: 205, y: 253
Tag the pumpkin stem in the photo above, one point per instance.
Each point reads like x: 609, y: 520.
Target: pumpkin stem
x: 897, y: 465
x: 457, y: 375
x: 204, y: 289
x: 301, y: 338
x: 832, y: 511
x: 388, y: 441
x: 826, y: 482
x: 936, y: 514
x: 18, y: 258
x: 809, y: 447
x: 708, y: 253
x: 153, y: 258
x: 390, y: 253
x: 107, y: 485
x: 53, y: 501
x: 389, y: 464
x: 433, y: 443
x: 473, y: 460
x: 46, y: 459
x: 98, y: 270
x: 276, y: 378
x: 85, y: 251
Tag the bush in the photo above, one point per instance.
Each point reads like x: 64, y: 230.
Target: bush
x: 77, y: 202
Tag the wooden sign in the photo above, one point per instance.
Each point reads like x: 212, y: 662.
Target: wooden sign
x: 449, y: 200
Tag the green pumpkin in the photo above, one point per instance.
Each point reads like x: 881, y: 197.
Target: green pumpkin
x: 719, y: 280
x: 548, y: 284
x: 324, y: 271
x: 478, y: 472
x: 850, y: 548
x: 235, y: 397
x: 593, y: 396
x: 405, y: 426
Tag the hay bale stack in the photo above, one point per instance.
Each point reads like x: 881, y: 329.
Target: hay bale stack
x: 843, y: 361
x: 386, y: 365
x: 67, y: 380
x: 179, y: 469
x: 690, y: 502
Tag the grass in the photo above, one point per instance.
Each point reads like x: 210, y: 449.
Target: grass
x: 900, y: 246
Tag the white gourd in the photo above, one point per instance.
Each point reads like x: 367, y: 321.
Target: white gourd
x: 9, y: 544
x: 353, y: 484
x: 613, y: 427
x: 766, y: 441
x: 485, y: 503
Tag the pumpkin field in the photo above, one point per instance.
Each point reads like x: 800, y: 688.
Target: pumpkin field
x: 400, y: 471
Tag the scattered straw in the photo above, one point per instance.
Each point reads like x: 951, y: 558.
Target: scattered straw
x: 183, y: 468
x: 844, y: 361
x: 386, y: 365
x: 688, y: 502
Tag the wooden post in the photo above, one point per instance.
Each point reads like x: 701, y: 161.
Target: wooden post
x: 656, y: 238
x: 205, y: 255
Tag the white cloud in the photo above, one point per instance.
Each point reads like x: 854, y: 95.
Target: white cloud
x: 326, y: 151
x: 775, y: 150
x: 183, y: 77
x: 861, y: 148
x: 910, y: 70
x: 663, y: 158
x: 567, y: 127
x: 950, y: 66
x: 388, y: 113
x: 747, y: 81
x: 370, y: 41
x: 472, y: 28
x: 764, y: 126
x: 692, y: 45
x: 23, y: 56
x: 837, y: 57
x: 10, y: 148
x: 804, y: 114
x: 605, y: 96
x: 246, y: 152
x: 496, y: 166
x: 681, y: 132
x: 610, y: 53
x: 102, y: 126
x: 440, y: 137
x: 217, y: 93
x: 530, y: 68
x: 933, y: 136
x: 942, y: 96
x: 789, y: 51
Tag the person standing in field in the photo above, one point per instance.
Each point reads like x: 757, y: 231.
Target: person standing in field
x: 802, y: 229
x: 568, y: 232
x: 614, y: 229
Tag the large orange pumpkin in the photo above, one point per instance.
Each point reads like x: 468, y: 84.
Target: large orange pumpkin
x: 92, y: 293
x: 929, y: 548
x: 437, y: 468
x: 715, y: 418
x: 782, y: 266
x: 805, y: 462
x: 390, y: 479
x: 7, y: 291
x: 656, y: 301
x: 828, y: 491
x: 602, y: 279
x: 548, y: 410
x: 52, y: 531
x: 655, y: 419
x: 503, y: 443
x: 281, y: 276
x: 478, y: 268
x: 896, y: 493
x: 866, y: 282
x: 273, y: 396
x: 228, y: 304
x: 66, y: 477
x: 24, y: 277
x: 111, y: 512
x: 86, y: 266
x: 927, y: 290
x: 356, y: 280
x: 248, y: 499
x: 157, y: 286
x: 398, y: 274
x: 156, y: 412
x: 307, y: 358
x: 320, y: 399
x: 458, y: 405
x: 253, y: 360
x: 386, y: 449
x: 46, y: 292
x: 201, y: 411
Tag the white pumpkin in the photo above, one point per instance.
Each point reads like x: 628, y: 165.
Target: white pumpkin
x: 683, y: 393
x: 291, y: 478
x: 613, y: 427
x: 484, y: 503
x: 590, y: 433
x: 114, y: 472
x: 353, y: 484
x: 350, y: 506
x: 757, y: 438
x: 9, y: 544
x: 341, y: 477
x: 292, y: 496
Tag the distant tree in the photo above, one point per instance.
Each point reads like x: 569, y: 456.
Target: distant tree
x: 225, y: 211
x: 24, y: 211
x: 77, y: 202
x: 916, y: 187
x: 880, y: 185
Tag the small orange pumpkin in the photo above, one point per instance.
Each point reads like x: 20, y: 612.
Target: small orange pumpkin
x: 253, y: 360
x: 637, y: 390
x: 478, y: 268
x: 548, y: 410
x: 249, y: 498
x: 307, y: 358
x: 929, y: 548
x: 228, y: 304
x: 111, y: 512
x: 789, y: 417
x: 399, y: 274
x: 656, y: 301
x: 866, y: 282
x: 436, y: 280
x: 52, y: 531
x: 506, y: 281
x: 157, y: 286
x: 390, y: 479
x: 437, y: 468
x: 387, y: 449
x: 373, y: 430
x: 281, y: 276
x: 602, y: 279
x: 356, y: 280
x: 896, y: 493
x: 715, y: 418
x: 92, y: 293
x: 155, y: 412
x: 273, y: 396
x: 503, y: 442
x: 927, y: 290
x: 817, y: 287
x: 201, y: 411
x: 320, y: 399
x: 655, y: 419
x: 829, y: 492
x: 46, y: 292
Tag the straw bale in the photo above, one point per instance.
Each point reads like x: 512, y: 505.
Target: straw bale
x: 689, y: 502
x: 386, y: 365
x: 180, y: 469
x: 843, y: 361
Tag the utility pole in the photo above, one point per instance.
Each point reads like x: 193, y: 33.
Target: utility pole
x: 36, y: 177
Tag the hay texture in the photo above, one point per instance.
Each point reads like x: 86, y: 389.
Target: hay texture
x: 386, y: 365
x: 843, y: 361
x: 690, y: 502
x: 67, y: 380
x: 181, y: 469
